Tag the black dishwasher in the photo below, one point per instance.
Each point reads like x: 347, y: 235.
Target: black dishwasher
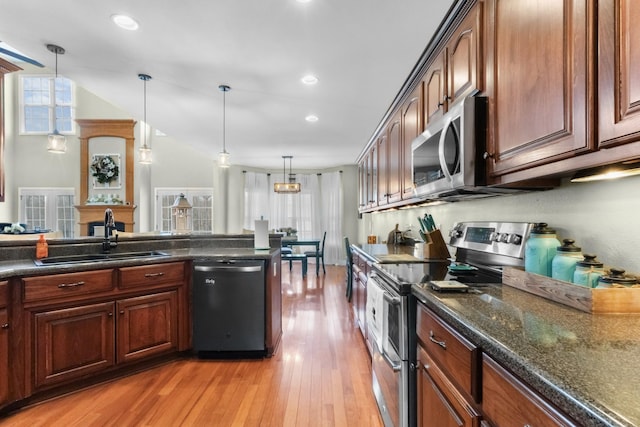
x: 228, y: 307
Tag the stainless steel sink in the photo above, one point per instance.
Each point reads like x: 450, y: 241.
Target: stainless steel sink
x: 76, y: 259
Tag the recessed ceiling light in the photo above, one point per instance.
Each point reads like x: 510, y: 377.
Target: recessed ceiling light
x: 311, y: 118
x: 309, y: 79
x: 303, y: 1
x: 124, y: 21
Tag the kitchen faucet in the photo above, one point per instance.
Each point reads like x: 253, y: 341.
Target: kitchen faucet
x: 109, y: 224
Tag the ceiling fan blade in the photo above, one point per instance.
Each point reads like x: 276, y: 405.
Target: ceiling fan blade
x: 20, y: 57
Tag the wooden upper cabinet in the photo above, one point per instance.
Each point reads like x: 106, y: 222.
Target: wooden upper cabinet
x: 434, y: 90
x: 618, y: 78
x: 394, y: 164
x: 464, y: 60
x: 372, y: 190
x: 363, y: 170
x: 382, y: 155
x: 538, y: 68
x: 412, y: 126
x: 456, y: 71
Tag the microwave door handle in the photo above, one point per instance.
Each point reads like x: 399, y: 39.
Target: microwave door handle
x: 443, y: 136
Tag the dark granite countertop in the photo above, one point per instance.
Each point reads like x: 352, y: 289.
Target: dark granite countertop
x: 585, y: 364
x: 27, y: 267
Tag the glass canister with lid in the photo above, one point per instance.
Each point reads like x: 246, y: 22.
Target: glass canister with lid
x: 539, y: 250
x: 617, y: 279
x: 588, y: 271
x: 564, y: 262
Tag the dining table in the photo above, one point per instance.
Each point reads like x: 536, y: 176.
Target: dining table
x: 288, y: 242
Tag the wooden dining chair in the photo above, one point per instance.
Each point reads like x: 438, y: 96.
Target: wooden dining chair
x: 349, y: 262
x: 320, y: 254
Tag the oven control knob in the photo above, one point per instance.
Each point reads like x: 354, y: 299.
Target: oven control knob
x: 494, y: 237
x: 515, y: 239
x: 504, y: 237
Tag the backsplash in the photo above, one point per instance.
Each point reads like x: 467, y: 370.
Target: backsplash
x: 602, y: 217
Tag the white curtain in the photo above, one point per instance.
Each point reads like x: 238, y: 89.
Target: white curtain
x: 256, y: 198
x: 331, y: 216
x: 316, y: 209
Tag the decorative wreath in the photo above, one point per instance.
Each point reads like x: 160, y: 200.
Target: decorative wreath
x: 105, y: 169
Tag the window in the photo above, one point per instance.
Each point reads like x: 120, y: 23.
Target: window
x: 48, y: 209
x: 201, y: 199
x: 37, y: 97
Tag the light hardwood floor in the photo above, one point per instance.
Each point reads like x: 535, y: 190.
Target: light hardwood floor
x: 319, y: 376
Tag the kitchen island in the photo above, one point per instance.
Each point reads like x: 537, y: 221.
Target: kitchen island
x: 85, y: 316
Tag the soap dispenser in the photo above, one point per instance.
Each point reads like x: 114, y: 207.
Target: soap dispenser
x: 42, y: 248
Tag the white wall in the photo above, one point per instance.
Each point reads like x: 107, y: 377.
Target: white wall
x: 602, y: 217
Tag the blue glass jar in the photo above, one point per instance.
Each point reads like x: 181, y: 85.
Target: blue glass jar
x: 539, y: 250
x: 564, y: 262
x: 617, y: 279
x: 588, y: 271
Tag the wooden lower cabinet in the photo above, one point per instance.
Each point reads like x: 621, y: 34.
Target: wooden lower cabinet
x: 5, y: 329
x: 147, y: 325
x: 71, y: 343
x: 507, y: 401
x: 439, y: 402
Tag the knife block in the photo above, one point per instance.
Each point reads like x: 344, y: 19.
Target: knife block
x: 435, y: 247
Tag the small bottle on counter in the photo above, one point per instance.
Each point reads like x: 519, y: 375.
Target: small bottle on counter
x: 539, y: 249
x: 42, y: 248
x: 588, y: 271
x: 564, y: 263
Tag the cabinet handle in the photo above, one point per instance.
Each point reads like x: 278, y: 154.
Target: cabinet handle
x: 110, y: 314
x: 433, y: 339
x: 486, y: 155
x: 70, y: 285
x: 4, y: 326
x: 154, y: 274
x: 121, y: 311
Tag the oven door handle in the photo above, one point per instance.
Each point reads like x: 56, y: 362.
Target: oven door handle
x: 391, y: 299
x: 396, y: 367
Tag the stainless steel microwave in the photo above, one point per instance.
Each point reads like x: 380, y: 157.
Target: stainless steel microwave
x: 447, y: 159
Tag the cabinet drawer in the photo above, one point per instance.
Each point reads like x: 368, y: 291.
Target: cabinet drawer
x: 457, y: 357
x: 67, y: 285
x: 506, y: 401
x: 156, y: 274
x: 4, y: 293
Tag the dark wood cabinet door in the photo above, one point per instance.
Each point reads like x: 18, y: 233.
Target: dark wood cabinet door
x: 464, y: 62
x: 506, y: 401
x: 363, y: 171
x: 372, y: 188
x: 439, y: 403
x: 4, y: 356
x: 434, y: 90
x: 411, y: 127
x: 147, y: 325
x: 394, y: 162
x: 538, y: 60
x: 72, y: 343
x: 618, y: 65
x: 382, y: 158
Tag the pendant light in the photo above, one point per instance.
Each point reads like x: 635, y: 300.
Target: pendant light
x: 290, y: 185
x: 57, y: 143
x: 223, y: 156
x: 145, y: 151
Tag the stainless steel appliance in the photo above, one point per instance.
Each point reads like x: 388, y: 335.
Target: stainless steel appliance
x: 390, y: 316
x: 482, y: 249
x: 228, y: 307
x: 447, y: 159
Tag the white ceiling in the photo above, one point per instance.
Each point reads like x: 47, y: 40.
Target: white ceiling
x: 361, y: 50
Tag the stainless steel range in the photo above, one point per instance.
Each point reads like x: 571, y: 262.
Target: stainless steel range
x: 481, y: 250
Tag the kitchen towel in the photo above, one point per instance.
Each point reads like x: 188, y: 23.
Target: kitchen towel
x: 375, y: 311
x: 261, y: 239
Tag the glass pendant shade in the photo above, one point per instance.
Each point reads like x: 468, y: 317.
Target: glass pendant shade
x: 145, y: 155
x: 223, y: 159
x: 287, y: 187
x: 57, y: 143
